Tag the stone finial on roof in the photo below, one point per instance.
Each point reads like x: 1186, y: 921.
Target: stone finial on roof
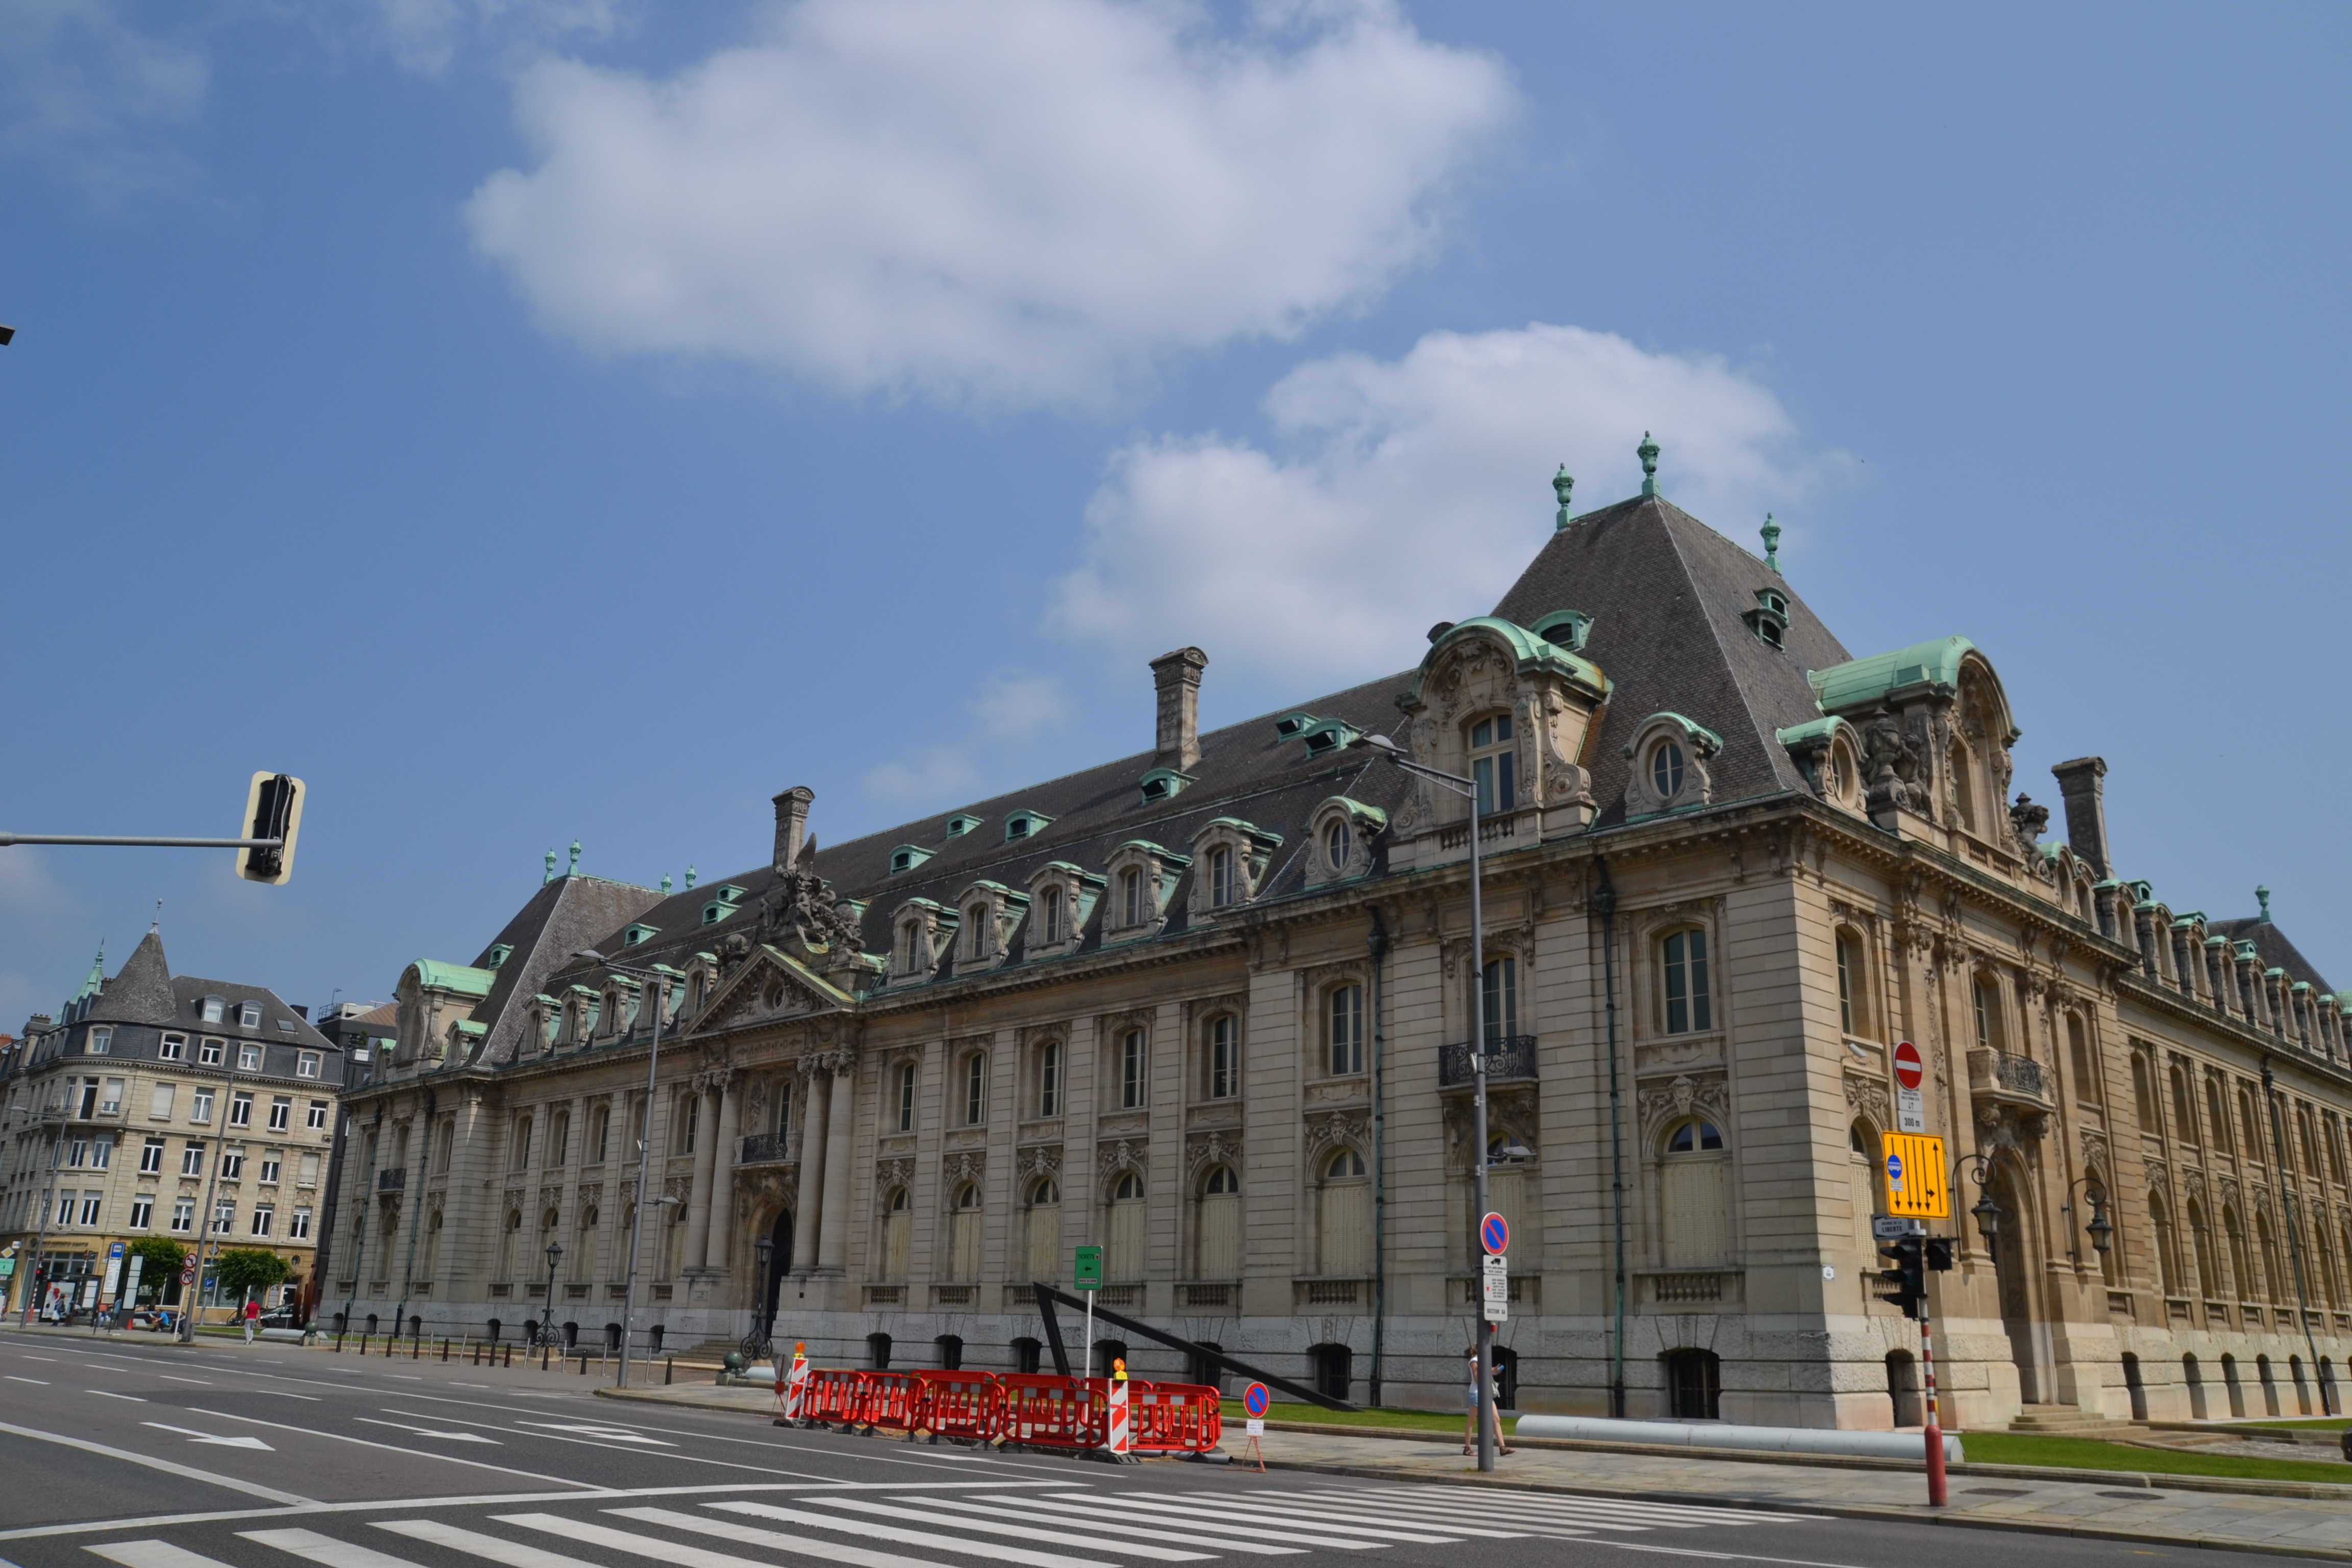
x: 1771, y: 532
x: 665, y: 884
x: 1561, y: 483
x: 1648, y: 452
x: 689, y: 878
x: 549, y: 875
x: 573, y: 869
x: 2262, y: 895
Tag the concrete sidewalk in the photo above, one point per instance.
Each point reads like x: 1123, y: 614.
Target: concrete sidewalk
x: 2201, y: 1510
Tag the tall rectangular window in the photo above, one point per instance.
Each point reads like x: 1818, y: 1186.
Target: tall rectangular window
x: 174, y: 1049
x: 263, y: 1214
x: 90, y: 1206
x: 307, y: 1065
x: 1130, y: 1069
x: 240, y: 1110
x: 907, y: 1098
x: 151, y: 1158
x: 1494, y: 763
x: 142, y: 1211
x: 102, y: 1153
x: 1053, y: 915
x: 1845, y: 983
x: 1343, y: 1028
x: 183, y: 1216
x: 1498, y: 999
x: 109, y: 1097
x: 192, y: 1159
x: 102, y: 1041
x: 1689, y: 1006
x: 1225, y: 1053
x: 248, y: 1058
x: 975, y: 1090
x: 225, y: 1217
x: 281, y: 1113
x: 318, y: 1120
x: 1049, y: 1079
x: 1222, y: 890
x: 232, y: 1164
x: 1134, y: 897
x: 209, y: 1053
x: 272, y: 1161
x: 308, y: 1169
x: 298, y: 1226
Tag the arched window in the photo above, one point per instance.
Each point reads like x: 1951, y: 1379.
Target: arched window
x: 2168, y: 1261
x: 975, y: 932
x: 904, y: 1113
x: 2310, y: 1144
x: 2144, y: 1095
x: 599, y: 1136
x: 2253, y: 1127
x: 1133, y: 1069
x: 1964, y: 789
x: 2218, y: 1117
x: 1854, y: 1009
x: 963, y: 1234
x: 975, y: 1088
x: 910, y: 941
x: 1695, y: 1194
x: 1343, y: 1029
x: 1686, y: 1006
x: 1053, y: 914
x: 2233, y: 1235
x: 1986, y: 993
x: 559, y: 1141
x: 1498, y: 999
x: 1042, y: 1219
x: 1666, y: 768
x: 1223, y: 1063
x: 1344, y: 1210
x: 2267, y: 1245
x: 2201, y: 1242
x: 1494, y: 763
x: 898, y: 1218
x: 1049, y: 1078
x: 432, y: 1248
x: 1865, y: 1192
x: 523, y: 1143
x: 584, y: 1247
x: 2184, y: 1107
x: 510, y: 1243
x: 2079, y: 1063
x: 1123, y: 1230
x: 1134, y: 897
x: 1223, y: 890
x: 1339, y: 844
x: 1218, y: 1248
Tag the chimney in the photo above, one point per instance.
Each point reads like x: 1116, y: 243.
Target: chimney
x: 1177, y: 678
x: 792, y: 823
x: 2087, y: 810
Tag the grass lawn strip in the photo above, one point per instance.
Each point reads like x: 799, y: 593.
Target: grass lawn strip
x: 2090, y: 1454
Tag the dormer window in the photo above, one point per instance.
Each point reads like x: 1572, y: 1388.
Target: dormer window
x: 1339, y: 844
x: 1666, y: 768
x: 961, y: 822
x: 1770, y: 619
x: 1134, y: 897
x: 499, y: 956
x: 1223, y: 886
x: 216, y: 1008
x: 1025, y: 823
x: 1330, y: 736
x: 907, y: 856
x: 1061, y: 898
x: 637, y: 933
x: 1164, y: 784
x: 1293, y: 725
x: 249, y: 1015
x: 1565, y: 628
x: 1494, y: 763
x: 1339, y: 838
x: 1052, y: 921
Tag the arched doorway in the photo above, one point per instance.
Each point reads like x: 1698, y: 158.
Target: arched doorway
x: 2013, y: 1266
x: 780, y: 1263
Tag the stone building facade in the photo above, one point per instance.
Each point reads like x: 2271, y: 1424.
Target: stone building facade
x: 145, y: 1097
x: 1209, y: 1006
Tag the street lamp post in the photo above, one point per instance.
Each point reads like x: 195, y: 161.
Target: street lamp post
x: 1469, y: 789
x: 756, y: 1340
x: 547, y: 1316
x: 657, y: 984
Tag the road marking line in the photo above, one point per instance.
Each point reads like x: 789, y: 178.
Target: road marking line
x: 1217, y: 1512
x: 38, y: 1382
x: 190, y: 1471
x: 396, y: 1448
x: 610, y: 1432
x: 153, y: 1554
x: 208, y: 1438
x: 1017, y: 1533
x: 27, y: 1355
x: 1724, y: 1556
x: 1105, y: 1509
x: 702, y: 1557
x: 1440, y: 1515
x: 892, y: 1533
x: 103, y: 1393
x: 287, y: 1393
x: 1277, y: 1512
x: 1141, y: 1532
x: 429, y: 1432
x: 199, y: 1382
x: 1540, y: 1503
x: 514, y: 1554
x: 325, y: 1549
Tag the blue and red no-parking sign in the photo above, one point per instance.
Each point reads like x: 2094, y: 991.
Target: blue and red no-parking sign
x: 1255, y: 1400
x: 1494, y: 1235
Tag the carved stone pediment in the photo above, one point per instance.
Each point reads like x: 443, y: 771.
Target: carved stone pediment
x: 769, y: 986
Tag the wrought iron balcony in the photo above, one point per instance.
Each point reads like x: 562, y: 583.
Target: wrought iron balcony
x: 1998, y: 1076
x: 1510, y: 1058
x: 760, y: 1149
x: 392, y: 1181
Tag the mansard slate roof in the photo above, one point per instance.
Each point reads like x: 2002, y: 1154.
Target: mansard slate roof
x: 145, y: 991
x: 562, y: 918
x: 2271, y: 947
x: 1665, y: 592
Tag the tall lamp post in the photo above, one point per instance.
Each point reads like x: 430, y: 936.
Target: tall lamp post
x: 1468, y: 790
x: 756, y: 1342
x: 547, y: 1317
x: 657, y: 984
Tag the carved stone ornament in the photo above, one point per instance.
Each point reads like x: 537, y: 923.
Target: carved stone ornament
x: 969, y: 1167
x: 1867, y: 1097
x: 1042, y: 1160
x: 1334, y: 1129
x: 1890, y: 759
x: 1126, y: 1154
x: 2157, y: 1175
x: 2094, y: 1149
x: 888, y: 1173
x: 1709, y: 1097
x: 1205, y: 1150
x: 802, y: 914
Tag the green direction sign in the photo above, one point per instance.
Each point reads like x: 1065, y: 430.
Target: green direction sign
x: 1085, y: 1272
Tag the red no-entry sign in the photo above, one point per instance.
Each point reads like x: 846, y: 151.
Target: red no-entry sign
x: 1908, y: 1070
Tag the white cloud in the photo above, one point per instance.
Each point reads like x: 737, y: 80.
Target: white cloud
x: 85, y: 95
x: 1011, y: 708
x: 1019, y: 203
x: 426, y: 36
x: 1014, y: 706
x: 1406, y: 492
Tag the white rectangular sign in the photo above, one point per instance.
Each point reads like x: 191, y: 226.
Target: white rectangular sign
x: 1256, y: 1426
x: 1910, y: 1111
x: 1496, y: 1312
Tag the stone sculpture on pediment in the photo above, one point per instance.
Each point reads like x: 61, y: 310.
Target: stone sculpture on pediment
x: 1041, y: 1161
x: 1203, y: 1150
x: 1334, y: 1129
x: 1890, y: 759
x: 888, y: 1173
x: 1867, y: 1097
x: 1124, y: 1154
x: 1683, y: 1096
x: 969, y: 1167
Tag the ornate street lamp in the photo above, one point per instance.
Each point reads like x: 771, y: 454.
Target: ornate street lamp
x: 547, y: 1322
x: 755, y: 1343
x: 1988, y: 1216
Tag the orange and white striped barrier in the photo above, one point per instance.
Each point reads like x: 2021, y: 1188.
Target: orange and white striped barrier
x: 1119, y: 1437
x: 792, y: 1387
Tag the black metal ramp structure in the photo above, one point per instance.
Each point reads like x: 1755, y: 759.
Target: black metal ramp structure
x: 1047, y: 1295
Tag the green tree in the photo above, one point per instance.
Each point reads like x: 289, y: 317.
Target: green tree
x: 165, y: 1259
x: 243, y: 1269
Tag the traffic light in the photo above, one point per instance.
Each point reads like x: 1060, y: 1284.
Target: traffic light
x: 1939, y: 1254
x: 1909, y: 1276
x: 273, y: 810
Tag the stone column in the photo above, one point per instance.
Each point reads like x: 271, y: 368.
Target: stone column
x: 712, y: 1244
x: 706, y: 1158
x: 833, y: 1229
x: 810, y: 1197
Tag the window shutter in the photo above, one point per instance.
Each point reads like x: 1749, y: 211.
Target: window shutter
x: 1697, y: 1220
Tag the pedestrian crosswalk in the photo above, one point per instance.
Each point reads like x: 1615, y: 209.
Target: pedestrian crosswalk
x: 1052, y: 1527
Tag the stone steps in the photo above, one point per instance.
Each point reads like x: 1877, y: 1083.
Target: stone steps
x: 2066, y: 1421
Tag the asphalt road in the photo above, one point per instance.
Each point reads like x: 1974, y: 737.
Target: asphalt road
x: 224, y: 1455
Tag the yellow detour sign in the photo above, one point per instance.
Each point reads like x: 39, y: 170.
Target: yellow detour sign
x: 1915, y: 1177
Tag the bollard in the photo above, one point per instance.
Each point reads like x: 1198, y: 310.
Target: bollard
x: 444, y: 1348
x: 545, y: 1350
x: 339, y: 1343
x: 669, y: 1366
x: 415, y: 1344
x: 510, y: 1358
x: 476, y: 1347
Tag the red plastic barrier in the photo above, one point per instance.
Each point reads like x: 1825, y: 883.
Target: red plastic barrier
x: 1174, y: 1418
x: 887, y: 1399
x: 833, y: 1397
x: 968, y: 1404
x: 1055, y: 1412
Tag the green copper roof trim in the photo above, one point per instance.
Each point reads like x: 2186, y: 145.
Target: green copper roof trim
x: 1812, y: 734
x: 472, y: 1028
x: 95, y: 981
x: 1869, y: 681
x: 1562, y: 483
x: 1261, y: 835
x: 1530, y: 652
x: 1771, y: 532
x: 1703, y: 741
x: 1648, y: 452
x: 455, y: 978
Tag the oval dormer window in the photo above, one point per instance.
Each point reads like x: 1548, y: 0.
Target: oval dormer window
x: 1339, y: 844
x: 1667, y: 770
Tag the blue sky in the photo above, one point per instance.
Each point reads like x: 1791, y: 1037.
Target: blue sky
x: 576, y: 419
